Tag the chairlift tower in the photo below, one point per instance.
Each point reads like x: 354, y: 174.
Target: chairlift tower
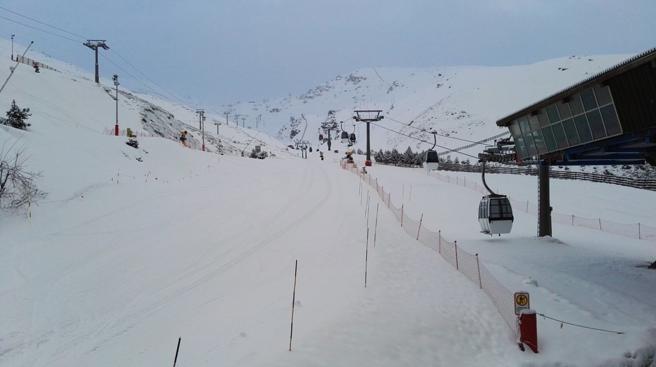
x: 94, y: 45
x: 368, y: 116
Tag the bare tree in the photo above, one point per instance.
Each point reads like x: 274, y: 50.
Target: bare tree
x: 17, y: 186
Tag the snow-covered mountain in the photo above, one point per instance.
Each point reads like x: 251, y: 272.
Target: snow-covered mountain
x: 462, y: 101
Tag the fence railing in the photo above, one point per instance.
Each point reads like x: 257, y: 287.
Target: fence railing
x: 32, y: 62
x: 638, y: 230
x: 466, y: 263
x: 638, y: 183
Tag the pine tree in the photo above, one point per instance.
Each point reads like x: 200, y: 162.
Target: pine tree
x: 17, y: 117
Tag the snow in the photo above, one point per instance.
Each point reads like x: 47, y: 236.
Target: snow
x: 125, y: 255
x: 580, y: 275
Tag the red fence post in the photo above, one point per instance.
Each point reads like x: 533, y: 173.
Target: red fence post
x: 528, y: 329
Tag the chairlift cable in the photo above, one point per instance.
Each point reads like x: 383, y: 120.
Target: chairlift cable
x: 418, y: 139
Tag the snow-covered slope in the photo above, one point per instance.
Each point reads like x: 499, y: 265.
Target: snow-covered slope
x: 133, y: 248
x: 463, y: 101
x: 68, y: 99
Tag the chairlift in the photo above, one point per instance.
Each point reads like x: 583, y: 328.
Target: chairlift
x: 345, y: 137
x: 494, y: 212
x: 431, y: 159
x: 352, y: 137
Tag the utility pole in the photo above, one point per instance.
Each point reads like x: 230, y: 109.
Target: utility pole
x: 243, y: 122
x: 116, y: 84
x: 226, y: 115
x: 13, y: 68
x: 12, y: 46
x: 236, y: 120
x: 217, y: 128
x: 94, y: 45
x: 368, y: 116
x: 201, y: 123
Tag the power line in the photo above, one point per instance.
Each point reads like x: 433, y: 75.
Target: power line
x: 472, y: 145
x: 170, y: 93
x: 43, y: 23
x: 421, y: 140
x: 39, y: 29
x: 438, y: 134
x: 167, y: 94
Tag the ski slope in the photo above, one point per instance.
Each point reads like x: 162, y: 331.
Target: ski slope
x: 133, y: 248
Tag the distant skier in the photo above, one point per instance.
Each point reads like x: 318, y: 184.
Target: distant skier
x: 321, y: 155
x: 349, y: 156
x: 35, y: 65
x: 183, y: 137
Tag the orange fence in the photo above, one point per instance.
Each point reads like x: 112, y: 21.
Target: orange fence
x: 466, y: 263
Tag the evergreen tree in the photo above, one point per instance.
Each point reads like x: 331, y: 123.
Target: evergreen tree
x: 17, y: 117
x: 408, y: 157
x: 395, y: 157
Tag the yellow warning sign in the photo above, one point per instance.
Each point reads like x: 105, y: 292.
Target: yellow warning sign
x: 522, y: 302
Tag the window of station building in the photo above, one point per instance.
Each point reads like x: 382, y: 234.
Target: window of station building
x: 603, y: 95
x: 549, y: 140
x: 611, y: 122
x: 588, y: 98
x: 533, y: 122
x: 563, y: 110
x: 575, y: 104
x: 559, y: 135
x: 596, y: 124
x: 538, y: 139
x: 552, y: 112
x: 581, y: 123
x: 570, y: 132
x: 517, y: 137
x: 530, y: 145
x: 523, y: 124
x: 542, y: 118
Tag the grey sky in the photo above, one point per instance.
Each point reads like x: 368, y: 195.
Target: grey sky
x: 214, y: 52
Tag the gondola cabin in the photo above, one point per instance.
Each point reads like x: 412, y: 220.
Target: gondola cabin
x: 431, y: 160
x: 495, y: 215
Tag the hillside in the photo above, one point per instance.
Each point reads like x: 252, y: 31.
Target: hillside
x: 462, y: 101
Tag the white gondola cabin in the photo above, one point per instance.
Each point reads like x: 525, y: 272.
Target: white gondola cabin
x: 495, y: 215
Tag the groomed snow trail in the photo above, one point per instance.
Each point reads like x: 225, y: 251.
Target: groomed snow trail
x: 114, y: 274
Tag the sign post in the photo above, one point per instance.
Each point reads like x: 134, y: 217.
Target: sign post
x: 526, y: 320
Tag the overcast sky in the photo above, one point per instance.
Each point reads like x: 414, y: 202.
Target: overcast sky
x: 214, y: 51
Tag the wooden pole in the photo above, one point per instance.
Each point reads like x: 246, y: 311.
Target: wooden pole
x: 419, y: 228
x: 401, y: 215
x: 376, y: 225
x: 439, y: 241
x: 478, y: 267
x: 366, y: 259
x: 291, y: 329
x: 455, y: 245
x: 639, y: 234
x: 177, y: 349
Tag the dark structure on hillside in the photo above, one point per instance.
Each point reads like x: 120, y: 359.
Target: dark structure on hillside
x: 609, y: 118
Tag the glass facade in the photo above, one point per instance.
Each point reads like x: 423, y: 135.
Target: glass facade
x: 581, y: 118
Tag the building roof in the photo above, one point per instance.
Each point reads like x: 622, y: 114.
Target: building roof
x: 602, y: 76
